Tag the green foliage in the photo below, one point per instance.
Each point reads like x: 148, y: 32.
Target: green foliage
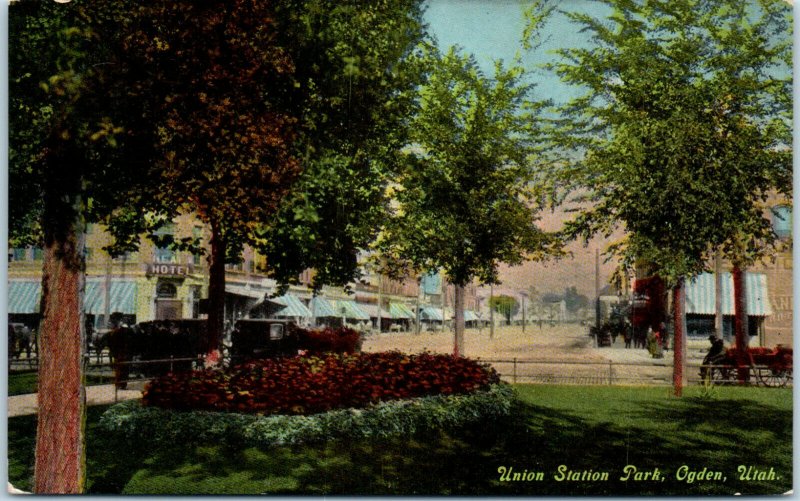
x: 574, y: 300
x: 684, y: 128
x: 357, y: 67
x: 404, y: 417
x: 506, y: 305
x: 467, y: 197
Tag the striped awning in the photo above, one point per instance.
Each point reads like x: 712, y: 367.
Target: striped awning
x: 293, y: 307
x: 430, y: 313
x: 399, y: 310
x: 469, y: 315
x: 701, y: 295
x: 321, y: 307
x: 372, y: 310
x: 122, y: 297
x: 241, y: 290
x: 349, y: 309
x: 24, y: 296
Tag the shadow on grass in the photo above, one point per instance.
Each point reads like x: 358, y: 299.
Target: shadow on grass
x: 701, y: 433
x: 717, y: 435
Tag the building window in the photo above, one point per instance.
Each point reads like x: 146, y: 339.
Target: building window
x: 782, y: 221
x: 165, y: 254
x: 38, y: 253
x: 19, y: 254
x: 166, y: 290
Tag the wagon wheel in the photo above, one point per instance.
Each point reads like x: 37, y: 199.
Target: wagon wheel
x: 775, y: 377
x: 720, y: 375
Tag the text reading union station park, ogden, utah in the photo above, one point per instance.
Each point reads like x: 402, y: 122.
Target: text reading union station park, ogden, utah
x: 632, y: 473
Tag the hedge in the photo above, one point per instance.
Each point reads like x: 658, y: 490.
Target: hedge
x: 391, y: 418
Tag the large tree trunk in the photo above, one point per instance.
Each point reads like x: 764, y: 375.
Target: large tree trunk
x: 216, y: 290
x: 458, y: 345
x: 740, y: 324
x: 60, y: 448
x: 679, y: 343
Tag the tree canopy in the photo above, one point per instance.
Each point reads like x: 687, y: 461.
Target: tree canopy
x: 683, y: 129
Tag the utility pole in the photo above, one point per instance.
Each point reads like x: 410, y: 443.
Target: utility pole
x: 597, y: 287
x: 380, y: 282
x: 523, y: 312
x: 491, y: 312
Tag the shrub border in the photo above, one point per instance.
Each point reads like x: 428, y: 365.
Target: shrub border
x: 134, y: 421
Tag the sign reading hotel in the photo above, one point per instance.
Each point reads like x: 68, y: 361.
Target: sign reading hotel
x: 169, y: 269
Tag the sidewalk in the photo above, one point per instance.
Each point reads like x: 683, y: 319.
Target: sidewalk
x: 22, y: 405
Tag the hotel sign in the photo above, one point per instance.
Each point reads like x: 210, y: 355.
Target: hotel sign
x: 169, y: 269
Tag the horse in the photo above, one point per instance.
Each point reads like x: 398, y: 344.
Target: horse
x: 20, y: 338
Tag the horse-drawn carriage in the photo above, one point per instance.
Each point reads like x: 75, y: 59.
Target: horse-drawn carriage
x: 769, y: 366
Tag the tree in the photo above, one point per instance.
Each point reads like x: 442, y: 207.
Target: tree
x: 66, y: 166
x: 359, y: 59
x: 467, y: 199
x: 505, y: 305
x: 575, y: 301
x: 685, y: 108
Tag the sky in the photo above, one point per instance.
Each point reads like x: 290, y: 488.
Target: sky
x: 492, y: 29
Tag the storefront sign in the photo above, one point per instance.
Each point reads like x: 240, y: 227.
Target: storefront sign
x: 168, y: 269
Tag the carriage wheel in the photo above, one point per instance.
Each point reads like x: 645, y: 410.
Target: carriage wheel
x: 773, y: 377
x: 720, y: 375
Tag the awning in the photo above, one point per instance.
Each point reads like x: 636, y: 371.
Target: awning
x: 701, y: 295
x: 469, y: 315
x: 321, y: 307
x: 399, y: 310
x: 241, y: 290
x: 293, y: 307
x: 24, y: 296
x: 349, y: 309
x: 430, y: 313
x: 372, y: 310
x: 122, y: 297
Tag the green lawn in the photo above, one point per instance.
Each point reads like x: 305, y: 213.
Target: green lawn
x: 22, y: 382
x: 596, y: 428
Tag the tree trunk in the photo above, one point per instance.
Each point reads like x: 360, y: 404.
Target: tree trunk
x: 679, y: 343
x: 458, y: 307
x: 740, y: 324
x: 216, y: 290
x: 60, y: 449
x: 718, y: 296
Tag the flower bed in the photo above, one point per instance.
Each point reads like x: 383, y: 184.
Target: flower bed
x: 310, y: 385
x: 133, y: 421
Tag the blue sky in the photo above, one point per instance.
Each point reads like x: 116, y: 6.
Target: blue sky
x: 492, y: 29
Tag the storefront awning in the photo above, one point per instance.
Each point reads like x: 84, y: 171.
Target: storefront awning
x: 372, y: 311
x: 241, y: 290
x: 399, y: 310
x: 701, y: 295
x: 24, y: 296
x: 122, y: 297
x: 321, y: 307
x: 430, y: 313
x: 293, y: 307
x: 349, y: 309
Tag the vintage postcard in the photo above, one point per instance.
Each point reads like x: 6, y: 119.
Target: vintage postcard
x: 409, y: 247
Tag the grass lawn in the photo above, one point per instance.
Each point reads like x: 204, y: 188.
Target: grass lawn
x: 595, y: 428
x: 22, y: 382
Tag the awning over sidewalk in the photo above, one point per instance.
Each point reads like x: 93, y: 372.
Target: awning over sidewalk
x: 293, y: 307
x: 321, y: 307
x: 430, y: 313
x: 399, y: 310
x: 122, y: 297
x: 701, y: 295
x: 372, y: 310
x: 351, y: 310
x: 241, y: 290
x: 24, y: 296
